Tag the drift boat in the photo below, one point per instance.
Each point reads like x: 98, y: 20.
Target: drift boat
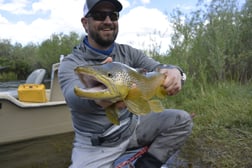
x: 22, y: 119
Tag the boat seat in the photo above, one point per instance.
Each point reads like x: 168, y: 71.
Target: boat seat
x: 36, y: 77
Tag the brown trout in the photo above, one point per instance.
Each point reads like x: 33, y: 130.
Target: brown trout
x: 118, y: 82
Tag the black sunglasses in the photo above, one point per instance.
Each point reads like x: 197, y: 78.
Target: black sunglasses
x: 101, y: 16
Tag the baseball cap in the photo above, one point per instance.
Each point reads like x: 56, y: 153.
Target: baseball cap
x: 90, y: 4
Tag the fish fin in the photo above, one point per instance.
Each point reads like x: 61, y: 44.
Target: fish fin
x: 139, y: 107
x: 160, y: 92
x: 156, y: 106
x: 112, y: 114
x: 136, y: 103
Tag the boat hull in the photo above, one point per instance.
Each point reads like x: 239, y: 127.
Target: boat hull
x: 21, y: 121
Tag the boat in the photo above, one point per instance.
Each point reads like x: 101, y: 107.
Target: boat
x: 22, y: 120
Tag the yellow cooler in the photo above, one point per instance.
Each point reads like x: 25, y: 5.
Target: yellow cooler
x: 32, y: 93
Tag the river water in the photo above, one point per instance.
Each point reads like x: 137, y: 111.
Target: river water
x: 46, y: 152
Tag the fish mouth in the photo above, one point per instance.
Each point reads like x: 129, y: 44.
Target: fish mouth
x: 92, y: 84
x: 97, y: 86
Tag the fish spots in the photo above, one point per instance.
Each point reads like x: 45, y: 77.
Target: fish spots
x: 123, y: 78
x: 133, y: 85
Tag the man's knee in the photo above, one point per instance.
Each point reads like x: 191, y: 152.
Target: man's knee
x: 179, y: 119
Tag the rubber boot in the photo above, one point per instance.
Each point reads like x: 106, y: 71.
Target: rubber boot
x: 148, y: 161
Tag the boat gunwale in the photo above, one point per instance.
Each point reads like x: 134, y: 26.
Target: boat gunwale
x: 27, y: 105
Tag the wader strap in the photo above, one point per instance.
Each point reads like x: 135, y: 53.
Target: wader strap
x: 133, y: 158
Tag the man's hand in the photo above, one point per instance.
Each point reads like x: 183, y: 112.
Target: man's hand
x: 172, y: 83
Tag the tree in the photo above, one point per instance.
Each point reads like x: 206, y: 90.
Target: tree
x: 51, y: 49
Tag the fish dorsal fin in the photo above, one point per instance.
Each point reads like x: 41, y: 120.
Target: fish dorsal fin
x: 156, y: 106
x: 112, y: 114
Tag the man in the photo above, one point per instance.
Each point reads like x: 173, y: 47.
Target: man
x: 98, y: 143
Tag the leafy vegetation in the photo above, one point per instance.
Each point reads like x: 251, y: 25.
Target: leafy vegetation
x: 213, y: 45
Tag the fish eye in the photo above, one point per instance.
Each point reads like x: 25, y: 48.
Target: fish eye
x: 110, y: 74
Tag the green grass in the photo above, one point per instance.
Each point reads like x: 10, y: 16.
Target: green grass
x: 222, y: 134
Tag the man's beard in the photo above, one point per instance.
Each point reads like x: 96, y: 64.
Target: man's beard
x: 104, y: 42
